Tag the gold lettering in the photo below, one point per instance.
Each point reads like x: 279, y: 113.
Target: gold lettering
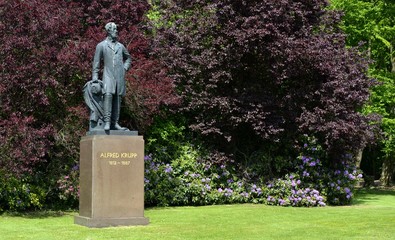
x: 115, y: 155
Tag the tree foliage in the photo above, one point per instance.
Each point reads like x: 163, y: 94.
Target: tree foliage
x: 373, y: 24
x: 46, y: 50
x: 271, y: 69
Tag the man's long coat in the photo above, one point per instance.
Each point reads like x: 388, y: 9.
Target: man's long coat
x: 117, y: 61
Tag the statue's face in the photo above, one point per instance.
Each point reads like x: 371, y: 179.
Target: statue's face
x: 113, y: 33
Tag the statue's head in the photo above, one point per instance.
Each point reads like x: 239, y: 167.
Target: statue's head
x: 112, y: 32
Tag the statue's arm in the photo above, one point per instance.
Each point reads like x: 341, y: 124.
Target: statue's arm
x: 127, y: 57
x: 96, y: 62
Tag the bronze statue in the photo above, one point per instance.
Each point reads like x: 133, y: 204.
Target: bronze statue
x: 116, y: 61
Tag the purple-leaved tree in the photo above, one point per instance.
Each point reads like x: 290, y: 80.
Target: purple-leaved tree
x: 46, y: 52
x: 265, y: 70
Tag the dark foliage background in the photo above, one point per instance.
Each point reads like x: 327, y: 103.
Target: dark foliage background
x: 46, y: 52
x: 257, y: 75
x: 256, y: 81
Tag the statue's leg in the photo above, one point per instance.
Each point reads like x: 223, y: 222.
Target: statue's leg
x: 116, y: 110
x: 107, y: 105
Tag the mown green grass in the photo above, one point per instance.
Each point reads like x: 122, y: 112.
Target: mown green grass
x: 372, y: 216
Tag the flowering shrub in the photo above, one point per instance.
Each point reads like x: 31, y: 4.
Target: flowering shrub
x: 292, y: 192
x: 315, y: 184
x: 68, y: 187
x: 189, y: 181
x: 341, y: 182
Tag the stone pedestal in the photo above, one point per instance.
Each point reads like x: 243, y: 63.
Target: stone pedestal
x: 111, y: 181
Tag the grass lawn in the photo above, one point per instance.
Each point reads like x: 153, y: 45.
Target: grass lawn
x: 371, y: 217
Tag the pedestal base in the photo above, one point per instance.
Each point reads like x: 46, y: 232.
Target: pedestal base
x: 110, y: 222
x: 111, y: 181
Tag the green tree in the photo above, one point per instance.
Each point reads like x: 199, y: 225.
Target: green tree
x: 372, y: 22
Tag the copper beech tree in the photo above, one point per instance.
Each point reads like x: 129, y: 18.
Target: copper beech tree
x: 264, y: 73
x: 46, y: 57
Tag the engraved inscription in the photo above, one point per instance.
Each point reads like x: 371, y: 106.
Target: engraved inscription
x: 116, y: 155
x: 119, y: 163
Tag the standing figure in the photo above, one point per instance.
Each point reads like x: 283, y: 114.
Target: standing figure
x: 116, y: 61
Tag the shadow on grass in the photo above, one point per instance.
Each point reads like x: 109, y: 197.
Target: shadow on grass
x: 37, y: 214
x: 363, y: 195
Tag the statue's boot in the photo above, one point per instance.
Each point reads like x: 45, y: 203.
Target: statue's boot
x: 107, y: 105
x: 116, y: 109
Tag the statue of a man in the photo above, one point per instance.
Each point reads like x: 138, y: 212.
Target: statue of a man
x: 116, y: 61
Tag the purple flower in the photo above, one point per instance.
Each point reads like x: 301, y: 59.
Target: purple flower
x: 321, y: 203
x: 312, y: 164
x: 228, y: 192
x: 230, y: 180
x: 305, y: 159
x: 347, y: 190
x: 244, y: 194
x: 168, y: 169
x: 220, y: 190
x: 206, y: 167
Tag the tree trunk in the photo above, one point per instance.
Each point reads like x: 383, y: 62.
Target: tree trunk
x: 358, y: 157
x: 387, y: 171
x: 392, y: 57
